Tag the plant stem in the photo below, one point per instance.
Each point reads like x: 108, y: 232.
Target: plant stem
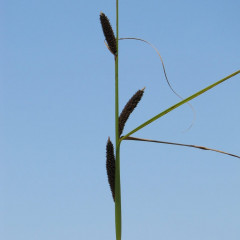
x: 118, y: 218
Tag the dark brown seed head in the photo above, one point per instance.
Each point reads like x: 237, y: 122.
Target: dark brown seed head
x: 108, y: 33
x: 110, y: 165
x: 128, y: 109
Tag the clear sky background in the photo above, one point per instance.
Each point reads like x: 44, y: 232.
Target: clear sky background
x: 57, y: 111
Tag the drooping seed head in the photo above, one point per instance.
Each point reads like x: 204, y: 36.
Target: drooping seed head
x: 110, y: 166
x: 128, y: 109
x: 108, y: 33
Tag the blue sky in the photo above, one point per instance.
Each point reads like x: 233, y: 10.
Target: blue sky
x: 57, y: 111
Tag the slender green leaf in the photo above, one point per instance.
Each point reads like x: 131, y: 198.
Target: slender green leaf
x: 178, y: 105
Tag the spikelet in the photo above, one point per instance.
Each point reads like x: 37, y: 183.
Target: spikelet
x: 110, y: 165
x: 108, y: 33
x: 128, y: 109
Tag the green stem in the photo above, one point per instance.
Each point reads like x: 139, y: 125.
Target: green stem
x: 178, y: 105
x: 118, y: 218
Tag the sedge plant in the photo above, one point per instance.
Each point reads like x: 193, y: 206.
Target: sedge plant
x: 113, y: 156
